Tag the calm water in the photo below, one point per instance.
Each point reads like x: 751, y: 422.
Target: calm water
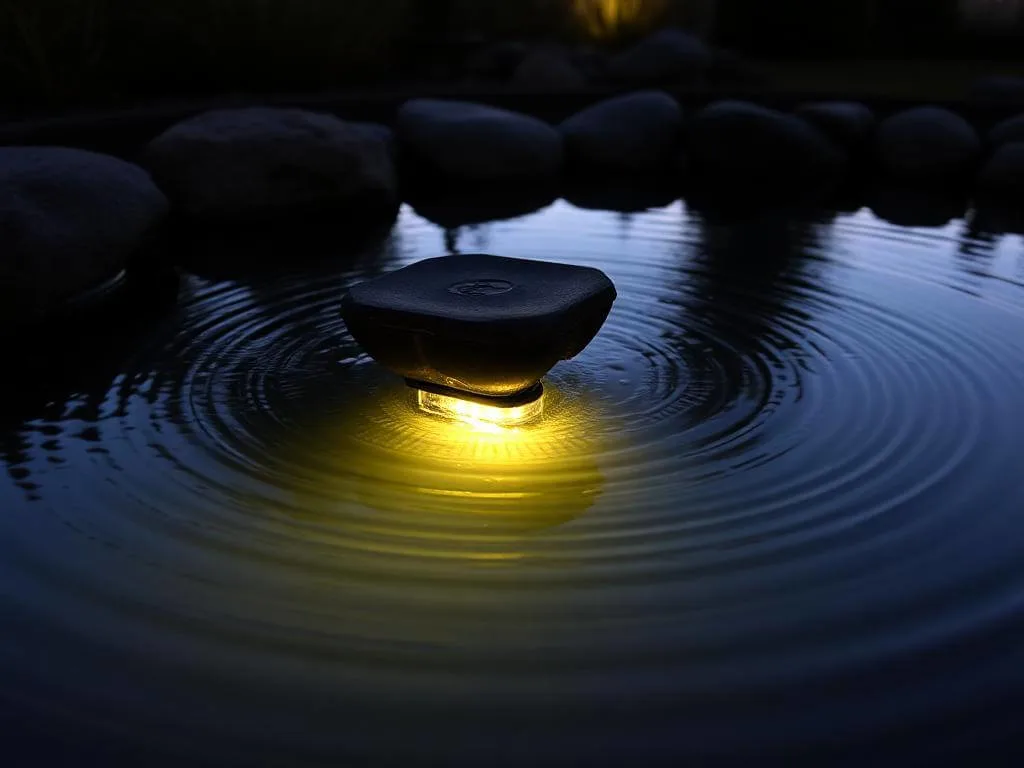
x: 776, y: 509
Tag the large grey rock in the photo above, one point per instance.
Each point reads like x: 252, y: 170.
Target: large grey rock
x: 69, y: 221
x: 1009, y: 130
x: 476, y: 142
x: 1003, y: 174
x: 848, y: 123
x: 259, y: 162
x: 548, y: 70
x: 741, y: 144
x: 635, y: 132
x: 927, y: 144
x: 668, y: 56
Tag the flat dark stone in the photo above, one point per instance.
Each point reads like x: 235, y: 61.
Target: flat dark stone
x: 486, y: 325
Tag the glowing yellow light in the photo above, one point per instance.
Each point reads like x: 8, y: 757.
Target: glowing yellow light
x: 382, y: 476
x: 607, y: 18
x: 479, y: 416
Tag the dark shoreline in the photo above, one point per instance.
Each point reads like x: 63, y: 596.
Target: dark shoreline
x: 121, y: 131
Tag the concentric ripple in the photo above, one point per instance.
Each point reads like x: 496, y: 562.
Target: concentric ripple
x: 773, y: 510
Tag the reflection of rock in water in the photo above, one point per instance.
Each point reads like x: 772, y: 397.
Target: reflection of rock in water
x: 748, y: 272
x: 424, y: 486
x: 978, y: 239
x: 71, y: 370
x: 456, y: 208
x: 449, y: 207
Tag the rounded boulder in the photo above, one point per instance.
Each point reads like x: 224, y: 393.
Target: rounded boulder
x: 462, y: 140
x: 739, y: 144
x: 254, y: 163
x: 927, y: 144
x: 632, y: 133
x: 70, y: 221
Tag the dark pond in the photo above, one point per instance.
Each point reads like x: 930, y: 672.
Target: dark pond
x: 776, y: 510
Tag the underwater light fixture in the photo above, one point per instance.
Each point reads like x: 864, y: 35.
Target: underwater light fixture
x: 474, y: 334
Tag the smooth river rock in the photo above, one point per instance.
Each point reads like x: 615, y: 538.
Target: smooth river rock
x: 69, y: 221
x: 927, y: 144
x: 258, y: 163
x: 739, y: 145
x: 632, y: 133
x: 468, y: 141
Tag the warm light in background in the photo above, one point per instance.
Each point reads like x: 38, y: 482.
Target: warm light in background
x: 479, y: 416
x: 607, y: 18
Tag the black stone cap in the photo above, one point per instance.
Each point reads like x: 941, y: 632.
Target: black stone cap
x: 485, y: 325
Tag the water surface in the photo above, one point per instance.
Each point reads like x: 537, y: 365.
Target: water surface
x: 774, y: 510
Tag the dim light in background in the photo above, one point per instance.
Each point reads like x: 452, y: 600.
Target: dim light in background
x: 607, y: 18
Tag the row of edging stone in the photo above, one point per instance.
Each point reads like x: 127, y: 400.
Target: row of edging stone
x: 69, y: 218
x: 732, y: 143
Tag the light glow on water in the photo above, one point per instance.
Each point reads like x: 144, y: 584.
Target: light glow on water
x: 481, y: 417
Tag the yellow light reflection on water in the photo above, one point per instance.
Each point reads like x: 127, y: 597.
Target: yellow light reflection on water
x: 480, y: 416
x: 392, y: 477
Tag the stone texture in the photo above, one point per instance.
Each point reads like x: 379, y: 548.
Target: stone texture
x: 476, y: 142
x: 740, y: 144
x: 848, y: 123
x: 261, y: 162
x: 927, y: 144
x: 669, y: 56
x: 69, y: 221
x: 630, y: 133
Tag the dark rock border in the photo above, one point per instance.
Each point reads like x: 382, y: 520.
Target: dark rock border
x: 462, y: 161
